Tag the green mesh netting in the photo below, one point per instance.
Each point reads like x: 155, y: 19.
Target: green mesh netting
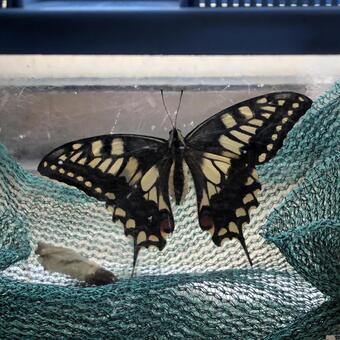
x: 191, y: 289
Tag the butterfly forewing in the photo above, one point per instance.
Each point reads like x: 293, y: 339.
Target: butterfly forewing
x: 125, y: 171
x: 256, y: 126
x: 223, y: 151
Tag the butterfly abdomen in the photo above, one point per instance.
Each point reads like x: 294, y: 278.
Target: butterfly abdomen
x: 178, y: 179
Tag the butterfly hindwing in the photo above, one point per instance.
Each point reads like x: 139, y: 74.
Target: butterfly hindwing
x: 225, y: 195
x: 223, y: 151
x: 125, y: 171
x: 148, y: 216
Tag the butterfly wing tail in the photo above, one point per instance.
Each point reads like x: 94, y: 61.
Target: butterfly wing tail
x: 136, y: 249
x: 243, y: 243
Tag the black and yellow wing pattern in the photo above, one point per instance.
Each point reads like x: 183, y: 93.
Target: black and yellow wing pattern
x: 222, y: 154
x: 131, y: 172
x: 125, y: 171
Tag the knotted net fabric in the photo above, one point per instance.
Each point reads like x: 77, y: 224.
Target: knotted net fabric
x: 192, y: 289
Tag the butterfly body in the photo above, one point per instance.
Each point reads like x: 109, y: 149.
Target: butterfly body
x: 136, y: 175
x: 178, y: 180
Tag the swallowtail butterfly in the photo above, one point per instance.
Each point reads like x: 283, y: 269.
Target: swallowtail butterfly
x: 136, y: 175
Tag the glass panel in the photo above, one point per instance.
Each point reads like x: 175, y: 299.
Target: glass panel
x: 48, y: 100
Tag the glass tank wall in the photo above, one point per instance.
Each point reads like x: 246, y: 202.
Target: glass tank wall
x: 46, y: 101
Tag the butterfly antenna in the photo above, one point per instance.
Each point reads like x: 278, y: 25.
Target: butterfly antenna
x: 243, y: 243
x: 179, y: 105
x: 166, y: 110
